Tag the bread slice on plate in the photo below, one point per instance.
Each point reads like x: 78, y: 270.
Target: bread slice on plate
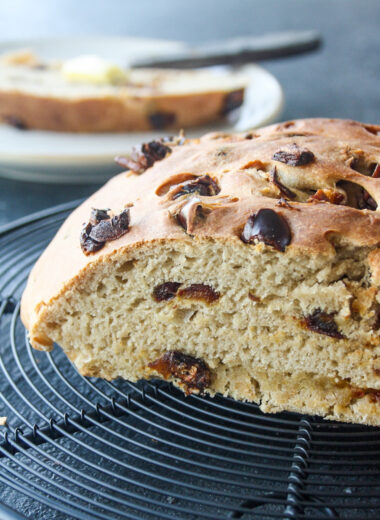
x: 246, y: 265
x: 88, y: 94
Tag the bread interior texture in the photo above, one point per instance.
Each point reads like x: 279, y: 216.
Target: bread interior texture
x: 258, y: 333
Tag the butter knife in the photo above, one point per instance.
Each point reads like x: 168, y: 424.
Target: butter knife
x: 238, y: 51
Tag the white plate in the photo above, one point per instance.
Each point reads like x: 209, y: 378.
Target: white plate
x: 36, y: 155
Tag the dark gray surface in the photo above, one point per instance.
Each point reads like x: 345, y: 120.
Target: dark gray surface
x: 342, y: 80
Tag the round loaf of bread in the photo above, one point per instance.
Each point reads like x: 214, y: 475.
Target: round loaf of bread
x: 242, y: 264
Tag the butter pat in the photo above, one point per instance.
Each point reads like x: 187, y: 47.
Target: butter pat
x: 92, y: 69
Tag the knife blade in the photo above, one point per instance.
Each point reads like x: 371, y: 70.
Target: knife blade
x: 237, y: 51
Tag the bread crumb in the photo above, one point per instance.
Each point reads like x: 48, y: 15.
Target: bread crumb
x: 3, y: 421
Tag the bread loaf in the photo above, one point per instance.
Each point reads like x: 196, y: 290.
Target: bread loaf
x: 246, y: 265
x: 37, y: 95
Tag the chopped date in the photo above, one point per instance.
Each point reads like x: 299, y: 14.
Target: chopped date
x: 363, y: 199
x: 326, y: 195
x: 284, y: 191
x: 323, y: 323
x: 357, y: 196
x: 169, y: 290
x: 125, y: 162
x: 165, y: 291
x: 87, y: 244
x: 172, y: 183
x: 269, y: 227
x: 204, y: 186
x: 97, y: 215
x: 161, y: 120
x: 258, y: 165
x: 357, y: 393
x: 190, y: 214
x: 372, y: 129
x: 294, y: 156
x: 375, y: 396
x: 16, y: 122
x: 232, y: 101
x: 199, y: 291
x: 194, y: 373
x: 252, y: 297
x: 376, y: 171
x: 144, y: 156
x: 102, y: 228
x: 111, y: 229
x: 366, y: 201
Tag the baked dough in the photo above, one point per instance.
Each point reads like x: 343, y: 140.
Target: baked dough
x: 242, y: 264
x: 37, y: 95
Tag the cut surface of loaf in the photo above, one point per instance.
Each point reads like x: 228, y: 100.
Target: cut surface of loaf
x: 242, y: 264
x: 37, y: 95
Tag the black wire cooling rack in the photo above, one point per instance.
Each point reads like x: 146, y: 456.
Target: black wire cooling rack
x: 82, y: 448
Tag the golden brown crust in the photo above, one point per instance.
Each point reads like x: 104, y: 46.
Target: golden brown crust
x: 112, y: 114
x: 228, y: 159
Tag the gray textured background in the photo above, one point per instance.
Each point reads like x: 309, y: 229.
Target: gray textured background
x: 342, y: 80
